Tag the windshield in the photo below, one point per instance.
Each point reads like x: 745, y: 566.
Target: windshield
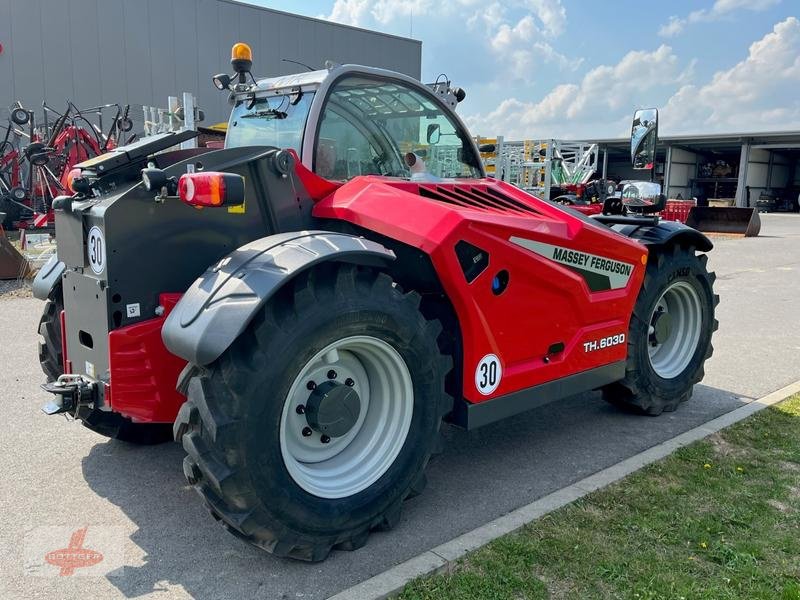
x: 368, y: 126
x: 269, y: 121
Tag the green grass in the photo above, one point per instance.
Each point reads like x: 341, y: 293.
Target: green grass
x: 719, y: 519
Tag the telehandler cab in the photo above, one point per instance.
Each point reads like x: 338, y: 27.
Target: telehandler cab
x: 303, y: 308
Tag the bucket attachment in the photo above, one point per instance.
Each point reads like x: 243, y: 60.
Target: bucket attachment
x: 724, y: 219
x: 12, y: 264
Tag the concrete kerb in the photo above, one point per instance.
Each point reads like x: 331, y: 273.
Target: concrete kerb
x: 443, y: 556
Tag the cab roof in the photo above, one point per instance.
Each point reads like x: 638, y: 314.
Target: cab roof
x: 310, y: 78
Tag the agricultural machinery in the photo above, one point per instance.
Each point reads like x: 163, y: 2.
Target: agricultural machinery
x: 32, y: 174
x: 302, y: 309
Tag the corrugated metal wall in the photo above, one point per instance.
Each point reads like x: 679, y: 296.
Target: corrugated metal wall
x: 142, y: 51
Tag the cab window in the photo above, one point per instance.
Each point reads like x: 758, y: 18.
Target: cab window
x: 275, y: 120
x: 368, y: 126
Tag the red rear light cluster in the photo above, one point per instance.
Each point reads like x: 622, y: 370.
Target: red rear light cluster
x: 211, y: 189
x: 72, y: 175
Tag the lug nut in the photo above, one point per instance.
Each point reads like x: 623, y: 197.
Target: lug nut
x: 331, y: 374
x: 307, y: 431
x: 325, y: 438
x: 300, y: 410
x: 349, y: 382
x: 311, y: 385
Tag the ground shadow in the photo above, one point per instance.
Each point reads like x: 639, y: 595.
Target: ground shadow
x: 489, y: 472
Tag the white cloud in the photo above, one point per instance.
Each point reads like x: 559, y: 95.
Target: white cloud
x: 594, y: 103
x: 515, y: 34
x: 349, y: 12
x: 719, y: 9
x: 759, y: 92
x: 522, y: 44
x: 672, y: 27
x: 551, y: 13
x: 363, y: 12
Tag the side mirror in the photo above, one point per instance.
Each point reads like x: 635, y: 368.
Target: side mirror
x: 643, y: 197
x: 434, y: 133
x: 487, y: 148
x: 644, y: 135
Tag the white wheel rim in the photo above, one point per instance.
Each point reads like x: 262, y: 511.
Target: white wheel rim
x: 354, y: 461
x: 670, y: 356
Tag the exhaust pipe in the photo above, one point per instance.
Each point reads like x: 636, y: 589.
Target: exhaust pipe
x: 725, y: 219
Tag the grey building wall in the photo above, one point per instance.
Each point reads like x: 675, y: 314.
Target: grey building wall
x: 142, y: 51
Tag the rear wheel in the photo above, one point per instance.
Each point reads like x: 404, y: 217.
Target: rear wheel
x: 320, y: 419
x: 50, y: 355
x: 670, y: 333
x: 51, y: 358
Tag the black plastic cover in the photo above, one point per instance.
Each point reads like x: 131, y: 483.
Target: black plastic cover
x: 219, y: 305
x: 664, y: 232
x: 472, y: 259
x: 135, y: 152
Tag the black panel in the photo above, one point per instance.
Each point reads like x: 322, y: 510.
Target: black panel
x: 136, y: 152
x: 472, y: 259
x: 595, y: 281
x: 663, y: 233
x: 471, y: 416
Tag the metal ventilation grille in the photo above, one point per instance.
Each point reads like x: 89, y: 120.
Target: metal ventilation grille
x: 477, y: 197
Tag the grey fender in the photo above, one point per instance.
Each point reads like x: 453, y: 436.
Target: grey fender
x: 48, y: 277
x: 664, y: 233
x: 221, y: 303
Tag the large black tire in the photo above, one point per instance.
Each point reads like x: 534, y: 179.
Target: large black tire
x: 643, y: 389
x: 51, y: 357
x: 230, y: 424
x: 109, y: 424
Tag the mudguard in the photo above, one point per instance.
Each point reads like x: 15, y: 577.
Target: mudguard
x: 48, y: 277
x: 665, y: 232
x: 220, y: 303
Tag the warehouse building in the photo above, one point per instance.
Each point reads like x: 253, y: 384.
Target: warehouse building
x: 143, y: 51
x: 745, y: 169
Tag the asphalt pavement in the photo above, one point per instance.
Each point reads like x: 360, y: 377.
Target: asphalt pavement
x: 56, y: 473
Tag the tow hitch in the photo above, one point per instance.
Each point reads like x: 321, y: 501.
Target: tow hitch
x: 71, y: 393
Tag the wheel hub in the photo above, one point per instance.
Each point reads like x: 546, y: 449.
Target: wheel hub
x: 346, y: 416
x: 662, y: 324
x: 333, y: 408
x: 674, y: 329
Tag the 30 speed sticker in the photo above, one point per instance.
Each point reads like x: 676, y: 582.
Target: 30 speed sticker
x: 488, y: 374
x: 606, y: 342
x: 96, y: 249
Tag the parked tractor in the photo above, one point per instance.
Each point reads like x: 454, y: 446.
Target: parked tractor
x: 303, y: 309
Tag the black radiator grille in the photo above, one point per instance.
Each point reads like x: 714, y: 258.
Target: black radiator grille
x: 477, y: 197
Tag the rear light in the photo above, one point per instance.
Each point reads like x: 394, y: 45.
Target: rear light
x: 211, y: 189
x: 71, y: 176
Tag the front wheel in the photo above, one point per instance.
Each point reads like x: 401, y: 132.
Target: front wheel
x: 319, y: 420
x: 670, y: 333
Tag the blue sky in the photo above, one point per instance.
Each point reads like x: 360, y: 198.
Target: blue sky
x: 570, y: 68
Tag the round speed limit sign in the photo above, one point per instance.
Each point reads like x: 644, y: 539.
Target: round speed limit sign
x: 488, y: 374
x: 96, y: 249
